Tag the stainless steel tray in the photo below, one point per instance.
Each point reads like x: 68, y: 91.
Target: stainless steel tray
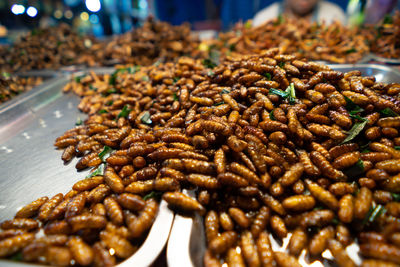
x: 394, y: 61
x: 187, y: 244
x: 382, y: 73
x: 31, y: 167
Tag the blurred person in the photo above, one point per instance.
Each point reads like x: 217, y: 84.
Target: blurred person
x: 377, y: 9
x: 313, y: 10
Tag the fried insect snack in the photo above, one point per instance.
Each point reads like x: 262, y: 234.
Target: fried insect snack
x: 12, y: 85
x: 335, y: 43
x: 264, y: 164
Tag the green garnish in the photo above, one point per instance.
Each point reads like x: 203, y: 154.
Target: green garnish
x: 388, y: 19
x: 176, y: 98
x: 78, y: 121
x: 17, y: 256
x: 268, y: 76
x: 102, y: 111
x: 175, y: 79
x: 376, y: 212
x: 146, y: 118
x: 248, y: 24
x: 356, y: 129
x: 351, y: 50
x: 79, y: 78
x: 289, y: 93
x: 145, y: 78
x: 355, y: 170
x: 213, y: 59
x: 352, y: 107
x: 271, y: 115
x: 91, y: 87
x: 397, y: 147
x: 225, y: 91
x: 388, y: 112
x: 109, y: 103
x: 124, y: 112
x: 210, y: 73
x: 6, y: 74
x: 152, y: 194
x: 395, y: 196
x: 219, y: 103
x: 103, y: 155
x: 281, y: 64
x: 279, y: 20
x: 98, y: 171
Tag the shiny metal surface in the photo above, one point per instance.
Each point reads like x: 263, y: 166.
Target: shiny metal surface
x: 186, y: 245
x: 394, y: 61
x: 382, y: 73
x: 31, y: 167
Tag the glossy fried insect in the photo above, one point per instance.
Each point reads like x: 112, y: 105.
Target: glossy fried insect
x: 297, y: 242
x: 183, y: 202
x: 223, y: 242
x: 88, y: 221
x: 322, y: 195
x: 81, y: 252
x: 249, y: 249
x: 76, y: 205
x: 113, y: 180
x: 299, y: 203
x: 20, y: 223
x: 13, y: 244
x: 46, y: 209
x: 285, y: 260
x: 131, y: 201
x: 145, y: 219
x: 120, y: 245
x: 362, y: 203
x: 319, y: 241
x: 88, y: 183
x: 31, y: 209
x: 114, y: 210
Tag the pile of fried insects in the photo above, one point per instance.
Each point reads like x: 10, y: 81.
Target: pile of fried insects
x: 271, y: 145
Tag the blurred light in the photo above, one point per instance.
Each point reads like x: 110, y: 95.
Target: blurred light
x: 31, y: 11
x: 17, y: 9
x: 58, y: 14
x: 94, y: 19
x: 84, y: 16
x: 68, y: 14
x: 143, y: 4
x: 93, y: 5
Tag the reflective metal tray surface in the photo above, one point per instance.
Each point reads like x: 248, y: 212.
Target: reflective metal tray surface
x: 187, y: 244
x: 31, y: 167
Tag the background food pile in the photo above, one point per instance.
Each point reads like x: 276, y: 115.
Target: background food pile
x: 11, y: 85
x: 269, y: 143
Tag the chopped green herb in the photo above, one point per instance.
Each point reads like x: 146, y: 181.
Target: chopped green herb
x: 248, y: 24
x: 388, y: 19
x: 111, y: 91
x: 225, y: 91
x: 113, y: 78
x: 109, y: 103
x: 366, y: 150
x: 208, y: 64
x: 279, y: 20
x: 319, y: 207
x: 146, y: 118
x: 271, y: 115
x: 98, y: 171
x: 133, y: 69
x: 176, y: 98
x: 79, y: 78
x: 376, y: 212
x: 17, y: 256
x: 292, y: 94
x: 351, y: 50
x: 388, y: 112
x: 355, y: 170
x: 103, y: 155
x: 219, y: 103
x: 268, y: 76
x: 395, y: 196
x: 175, y: 79
x: 152, y: 194
x: 145, y: 78
x: 232, y: 47
x: 78, y: 121
x: 124, y: 112
x: 281, y: 64
x: 6, y: 74
x: 102, y: 111
x: 397, y: 147
x: 91, y: 87
x: 352, y: 107
x: 355, y: 130
x: 278, y: 92
x: 210, y: 73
